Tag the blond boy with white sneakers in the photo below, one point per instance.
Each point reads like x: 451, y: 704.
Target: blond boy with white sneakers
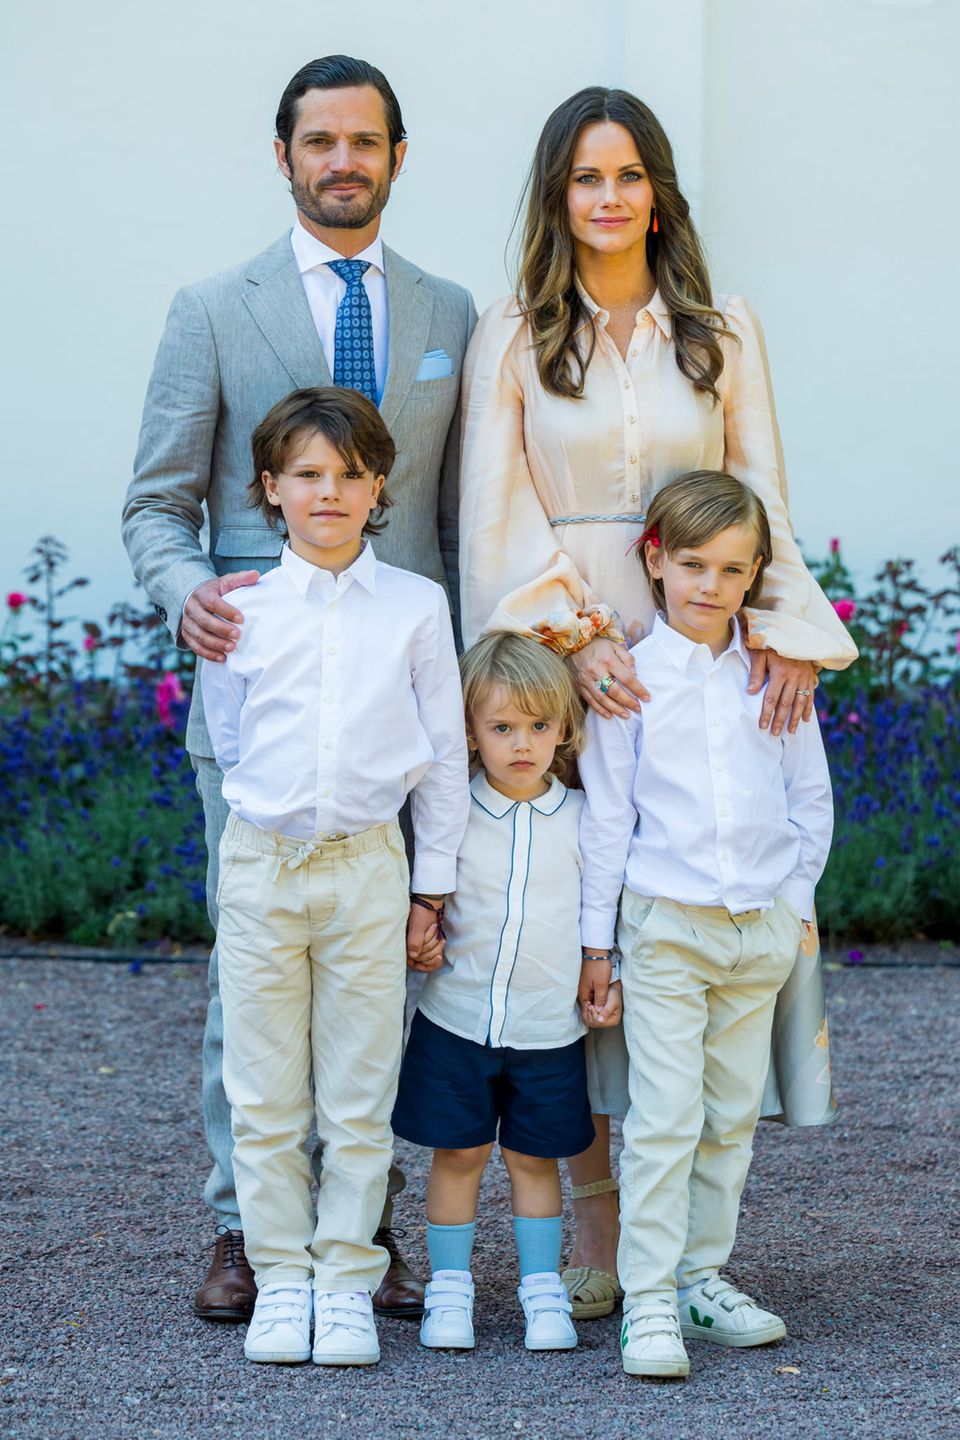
x: 710, y: 834
x: 341, y: 696
x: 496, y: 1049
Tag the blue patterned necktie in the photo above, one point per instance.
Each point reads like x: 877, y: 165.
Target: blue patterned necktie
x: 353, y: 364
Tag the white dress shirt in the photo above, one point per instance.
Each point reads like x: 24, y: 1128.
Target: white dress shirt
x: 341, y: 697
x: 691, y: 801
x: 512, y: 963
x: 324, y: 291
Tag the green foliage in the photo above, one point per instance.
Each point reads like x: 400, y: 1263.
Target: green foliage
x: 104, y: 841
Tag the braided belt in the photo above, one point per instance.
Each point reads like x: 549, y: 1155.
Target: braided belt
x: 597, y: 519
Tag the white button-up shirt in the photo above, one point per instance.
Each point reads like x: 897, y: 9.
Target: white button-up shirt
x: 341, y: 697
x: 690, y: 800
x: 512, y: 963
x: 324, y: 291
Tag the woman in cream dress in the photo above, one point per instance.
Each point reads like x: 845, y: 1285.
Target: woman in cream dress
x: 611, y: 372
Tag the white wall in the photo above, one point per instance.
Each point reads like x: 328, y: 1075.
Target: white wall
x: 832, y: 200
x: 137, y: 157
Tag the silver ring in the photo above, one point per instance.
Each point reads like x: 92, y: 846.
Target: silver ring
x: 804, y: 693
x: 604, y: 685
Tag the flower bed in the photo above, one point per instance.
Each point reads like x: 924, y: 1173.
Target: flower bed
x: 104, y: 836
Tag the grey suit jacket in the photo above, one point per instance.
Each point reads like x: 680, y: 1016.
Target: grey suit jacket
x: 233, y: 346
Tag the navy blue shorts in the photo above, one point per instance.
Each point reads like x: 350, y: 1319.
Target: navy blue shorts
x: 455, y: 1093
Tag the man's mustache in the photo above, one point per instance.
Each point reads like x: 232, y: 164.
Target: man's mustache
x: 345, y: 180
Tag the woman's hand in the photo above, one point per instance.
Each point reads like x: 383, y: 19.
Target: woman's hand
x: 790, y: 687
x: 598, y: 661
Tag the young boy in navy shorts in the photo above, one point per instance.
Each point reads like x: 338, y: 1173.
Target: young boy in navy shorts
x: 496, y: 1047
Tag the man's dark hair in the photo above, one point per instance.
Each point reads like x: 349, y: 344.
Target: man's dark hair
x: 352, y: 424
x: 338, y: 72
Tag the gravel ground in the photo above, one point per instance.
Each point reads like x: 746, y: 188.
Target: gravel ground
x: 850, y: 1232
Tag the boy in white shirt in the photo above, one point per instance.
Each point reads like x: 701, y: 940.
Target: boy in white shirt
x: 715, y: 832
x: 341, y: 697
x: 496, y: 1046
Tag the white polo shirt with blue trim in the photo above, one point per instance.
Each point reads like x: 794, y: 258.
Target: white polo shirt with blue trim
x: 512, y: 962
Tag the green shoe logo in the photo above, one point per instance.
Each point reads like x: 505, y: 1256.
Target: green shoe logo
x: 706, y: 1321
x: 623, y: 1336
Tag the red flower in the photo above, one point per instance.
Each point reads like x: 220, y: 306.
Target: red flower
x: 168, y: 690
x: 835, y: 546
x: 16, y: 600
x: 846, y: 609
x: 89, y: 643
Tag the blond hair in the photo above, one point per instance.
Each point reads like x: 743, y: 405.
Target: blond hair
x: 695, y: 507
x: 536, y: 680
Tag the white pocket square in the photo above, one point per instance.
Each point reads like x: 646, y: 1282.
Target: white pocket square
x: 435, y: 365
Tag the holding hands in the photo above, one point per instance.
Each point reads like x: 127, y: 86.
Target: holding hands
x: 600, y: 999
x: 425, y: 937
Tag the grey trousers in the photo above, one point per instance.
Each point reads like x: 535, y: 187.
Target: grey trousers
x: 220, y: 1191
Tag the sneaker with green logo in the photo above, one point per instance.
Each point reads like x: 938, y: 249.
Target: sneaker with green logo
x: 717, y: 1311
x: 650, y: 1339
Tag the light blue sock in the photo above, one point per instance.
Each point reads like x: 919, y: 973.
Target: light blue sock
x: 450, y: 1246
x: 538, y: 1243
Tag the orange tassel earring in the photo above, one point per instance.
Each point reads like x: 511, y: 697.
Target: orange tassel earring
x: 656, y: 224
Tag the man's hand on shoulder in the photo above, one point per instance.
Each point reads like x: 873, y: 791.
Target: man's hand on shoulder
x: 209, y: 623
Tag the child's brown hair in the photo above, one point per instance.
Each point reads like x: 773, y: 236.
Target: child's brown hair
x: 690, y: 510
x: 353, y: 426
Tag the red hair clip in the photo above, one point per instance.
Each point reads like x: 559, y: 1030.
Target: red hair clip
x: 651, y: 533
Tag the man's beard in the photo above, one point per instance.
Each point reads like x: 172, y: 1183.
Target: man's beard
x: 334, y: 214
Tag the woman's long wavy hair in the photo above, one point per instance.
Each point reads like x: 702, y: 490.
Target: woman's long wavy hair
x: 546, y: 286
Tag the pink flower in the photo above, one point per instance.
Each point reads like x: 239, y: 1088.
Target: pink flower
x: 846, y: 609
x: 89, y: 643
x: 958, y: 642
x: 853, y: 718
x: 16, y: 600
x: 902, y: 628
x: 835, y: 546
x: 168, y: 690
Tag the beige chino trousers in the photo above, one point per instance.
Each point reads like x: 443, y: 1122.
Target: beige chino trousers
x: 312, y: 952
x: 699, y: 990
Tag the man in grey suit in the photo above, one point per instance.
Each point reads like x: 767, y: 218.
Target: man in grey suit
x: 233, y: 346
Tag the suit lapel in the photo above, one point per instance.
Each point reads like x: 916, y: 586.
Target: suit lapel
x: 410, y: 307
x: 276, y: 299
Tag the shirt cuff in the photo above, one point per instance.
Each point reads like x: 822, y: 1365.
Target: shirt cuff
x: 598, y: 927
x: 799, y: 893
x: 434, y: 875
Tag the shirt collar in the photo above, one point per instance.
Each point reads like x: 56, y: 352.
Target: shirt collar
x: 683, y: 652
x: 310, y: 253
x: 499, y: 805
x: 302, y: 574
x: 656, y: 308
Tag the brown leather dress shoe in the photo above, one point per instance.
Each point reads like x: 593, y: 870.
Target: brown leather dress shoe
x: 401, y: 1294
x: 230, y: 1290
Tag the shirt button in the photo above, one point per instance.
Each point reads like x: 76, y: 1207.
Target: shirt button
x: 626, y: 384
x: 634, y: 352
x: 631, y: 419
x: 634, y: 496
x: 331, y: 649
x: 325, y: 794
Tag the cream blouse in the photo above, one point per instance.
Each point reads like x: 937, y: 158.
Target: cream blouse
x: 554, y: 490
